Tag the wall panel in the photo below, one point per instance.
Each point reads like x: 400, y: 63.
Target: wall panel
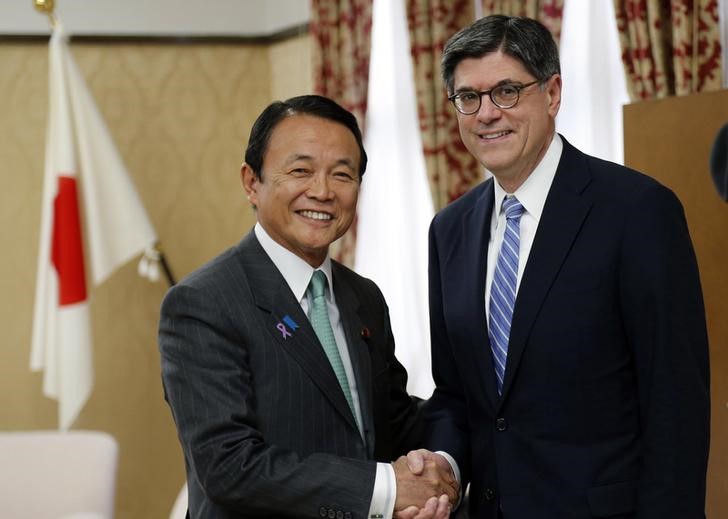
x: 670, y: 140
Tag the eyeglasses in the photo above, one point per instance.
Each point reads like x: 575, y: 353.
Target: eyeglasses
x: 503, y: 96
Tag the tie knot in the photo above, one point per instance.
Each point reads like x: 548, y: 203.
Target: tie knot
x: 318, y: 283
x: 512, y: 207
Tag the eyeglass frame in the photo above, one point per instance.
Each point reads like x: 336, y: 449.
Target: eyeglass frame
x: 452, y: 98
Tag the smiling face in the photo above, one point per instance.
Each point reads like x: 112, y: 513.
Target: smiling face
x: 306, y: 197
x: 508, y: 142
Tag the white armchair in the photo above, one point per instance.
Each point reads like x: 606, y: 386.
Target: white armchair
x: 179, y: 509
x: 57, y: 475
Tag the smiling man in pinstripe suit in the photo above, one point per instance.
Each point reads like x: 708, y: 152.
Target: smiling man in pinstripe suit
x: 276, y: 417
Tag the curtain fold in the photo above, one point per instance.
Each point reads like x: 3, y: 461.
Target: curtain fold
x: 341, y: 33
x: 451, y: 170
x: 548, y: 12
x: 669, y: 47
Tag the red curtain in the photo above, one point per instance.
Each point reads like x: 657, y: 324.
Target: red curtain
x: 341, y: 33
x: 669, y: 47
x: 548, y: 12
x: 450, y: 168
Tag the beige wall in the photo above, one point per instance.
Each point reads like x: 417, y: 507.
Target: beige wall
x: 670, y: 140
x: 180, y: 115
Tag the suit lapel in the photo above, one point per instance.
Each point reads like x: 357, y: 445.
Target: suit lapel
x: 348, y: 304
x: 476, y: 226
x: 287, y: 324
x: 563, y: 215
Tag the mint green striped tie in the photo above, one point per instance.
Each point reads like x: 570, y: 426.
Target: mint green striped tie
x: 318, y: 314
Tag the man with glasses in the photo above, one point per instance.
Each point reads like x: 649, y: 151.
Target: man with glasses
x: 569, y: 345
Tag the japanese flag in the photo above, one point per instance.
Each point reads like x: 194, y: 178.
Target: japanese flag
x: 87, y: 192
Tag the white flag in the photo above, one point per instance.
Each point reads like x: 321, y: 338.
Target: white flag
x: 80, y: 154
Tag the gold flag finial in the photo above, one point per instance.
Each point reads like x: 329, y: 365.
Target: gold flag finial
x: 47, y: 7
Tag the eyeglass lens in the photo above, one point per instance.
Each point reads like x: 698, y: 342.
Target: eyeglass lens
x: 503, y: 96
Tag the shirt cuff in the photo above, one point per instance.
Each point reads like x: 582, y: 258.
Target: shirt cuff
x: 456, y: 473
x: 453, y: 465
x: 385, y: 492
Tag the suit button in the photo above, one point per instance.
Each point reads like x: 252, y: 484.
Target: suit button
x: 339, y: 515
x: 489, y: 494
x: 332, y: 514
x: 501, y: 424
x: 322, y: 511
x: 347, y: 515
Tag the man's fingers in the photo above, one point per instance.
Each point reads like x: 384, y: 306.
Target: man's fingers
x: 410, y: 512
x: 452, y: 493
x: 416, y: 461
x: 443, y: 507
x: 442, y: 480
x: 435, y: 508
x: 428, y: 510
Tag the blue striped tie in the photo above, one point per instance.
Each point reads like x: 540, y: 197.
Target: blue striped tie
x: 318, y: 314
x: 503, y: 288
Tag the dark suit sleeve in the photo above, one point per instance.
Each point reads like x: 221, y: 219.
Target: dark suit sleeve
x: 665, y: 324
x: 405, y: 417
x: 209, y: 385
x: 445, y: 412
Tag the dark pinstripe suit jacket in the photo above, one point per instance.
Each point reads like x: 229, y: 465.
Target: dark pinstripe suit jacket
x: 263, y: 423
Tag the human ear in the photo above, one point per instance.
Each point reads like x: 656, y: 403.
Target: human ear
x: 250, y: 183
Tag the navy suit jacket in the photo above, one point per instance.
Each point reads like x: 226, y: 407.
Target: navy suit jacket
x: 605, y: 404
x: 263, y: 423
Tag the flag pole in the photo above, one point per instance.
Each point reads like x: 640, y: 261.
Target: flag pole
x: 165, y: 266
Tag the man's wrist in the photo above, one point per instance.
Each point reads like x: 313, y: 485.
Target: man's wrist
x: 453, y: 464
x: 456, y: 472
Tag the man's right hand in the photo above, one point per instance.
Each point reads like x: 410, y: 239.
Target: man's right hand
x: 435, y: 508
x: 415, y: 489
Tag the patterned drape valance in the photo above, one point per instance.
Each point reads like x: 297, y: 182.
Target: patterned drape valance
x: 669, y: 47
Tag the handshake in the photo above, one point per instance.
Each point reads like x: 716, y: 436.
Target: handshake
x: 426, y: 486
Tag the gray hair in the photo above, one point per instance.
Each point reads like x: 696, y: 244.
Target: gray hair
x: 524, y: 39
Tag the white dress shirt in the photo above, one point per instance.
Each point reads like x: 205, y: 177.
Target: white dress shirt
x: 297, y: 274
x: 532, y: 196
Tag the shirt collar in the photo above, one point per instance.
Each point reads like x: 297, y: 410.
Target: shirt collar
x: 533, y: 192
x: 294, y: 270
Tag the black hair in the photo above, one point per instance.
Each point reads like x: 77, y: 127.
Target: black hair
x: 276, y: 112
